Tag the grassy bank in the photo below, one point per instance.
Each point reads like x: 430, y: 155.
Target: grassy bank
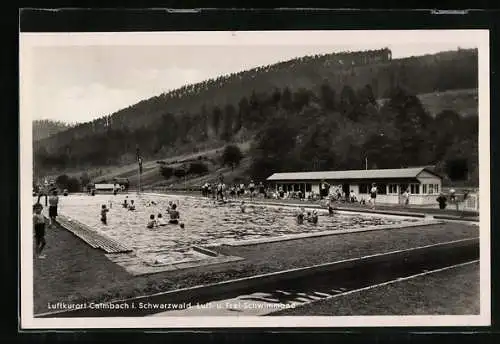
x: 449, y: 292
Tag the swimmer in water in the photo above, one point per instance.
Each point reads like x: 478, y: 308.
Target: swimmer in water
x: 300, y: 216
x: 174, y: 215
x: 314, y: 217
x: 152, y: 222
x: 242, y: 206
x: 104, y: 218
x: 159, y: 220
x: 131, y: 205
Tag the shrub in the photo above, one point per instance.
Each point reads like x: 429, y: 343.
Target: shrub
x: 197, y: 168
x: 166, y: 172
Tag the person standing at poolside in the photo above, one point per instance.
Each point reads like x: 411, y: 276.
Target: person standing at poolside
x: 406, y: 197
x: 53, y: 203
x: 373, y: 195
x: 251, y: 187
x: 39, y: 228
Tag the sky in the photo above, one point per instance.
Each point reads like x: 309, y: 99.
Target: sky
x: 79, y: 77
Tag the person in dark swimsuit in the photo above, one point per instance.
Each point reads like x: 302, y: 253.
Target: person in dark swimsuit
x: 53, y: 203
x: 174, y: 215
x: 39, y: 227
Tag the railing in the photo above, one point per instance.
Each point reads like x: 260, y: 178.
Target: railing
x: 471, y: 202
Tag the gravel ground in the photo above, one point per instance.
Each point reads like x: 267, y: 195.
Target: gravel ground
x: 449, y: 292
x: 73, y: 271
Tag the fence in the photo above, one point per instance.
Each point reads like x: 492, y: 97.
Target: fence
x: 471, y: 203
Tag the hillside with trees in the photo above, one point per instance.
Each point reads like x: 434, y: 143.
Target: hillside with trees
x: 45, y: 128
x: 319, y: 112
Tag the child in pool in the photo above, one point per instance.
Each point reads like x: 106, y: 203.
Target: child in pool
x: 300, y: 216
x: 152, y: 222
x: 314, y: 217
x: 174, y: 215
x: 131, y: 205
x: 160, y: 221
x: 169, y: 207
x: 125, y: 204
x: 104, y: 217
x: 242, y: 206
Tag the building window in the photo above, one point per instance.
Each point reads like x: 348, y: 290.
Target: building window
x: 382, y: 189
x: 308, y: 187
x: 363, y: 188
x: 414, y: 189
x: 431, y: 188
x: 393, y: 189
x: 436, y: 188
x: 424, y: 188
x: 296, y: 187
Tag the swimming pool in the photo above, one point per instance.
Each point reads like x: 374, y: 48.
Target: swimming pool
x: 206, y: 223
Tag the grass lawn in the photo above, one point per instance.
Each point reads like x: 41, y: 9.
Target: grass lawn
x: 449, y: 292
x: 73, y: 271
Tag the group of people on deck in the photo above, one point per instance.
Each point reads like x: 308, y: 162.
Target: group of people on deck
x: 220, y: 190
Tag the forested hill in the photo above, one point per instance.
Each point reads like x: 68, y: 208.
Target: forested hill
x: 342, y: 88
x: 45, y: 128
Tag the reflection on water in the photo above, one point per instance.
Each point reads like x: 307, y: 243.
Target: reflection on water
x: 206, y: 223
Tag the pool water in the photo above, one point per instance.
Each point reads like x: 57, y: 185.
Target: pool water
x: 206, y: 223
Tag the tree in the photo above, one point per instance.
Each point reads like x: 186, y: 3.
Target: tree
x: 228, y: 121
x: 180, y: 172
x: 327, y: 96
x: 197, y: 168
x: 216, y: 118
x: 232, y: 156
x: 84, y: 179
x: 166, y: 172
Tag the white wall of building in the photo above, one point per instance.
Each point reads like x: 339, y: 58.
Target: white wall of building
x: 420, y: 191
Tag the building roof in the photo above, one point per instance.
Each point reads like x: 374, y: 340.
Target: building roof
x: 396, y: 173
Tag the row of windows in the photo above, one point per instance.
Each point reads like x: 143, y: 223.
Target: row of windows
x: 394, y: 189
x: 382, y: 189
x: 294, y: 187
x: 430, y: 188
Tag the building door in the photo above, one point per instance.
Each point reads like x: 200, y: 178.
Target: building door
x: 402, y: 189
x: 346, y: 191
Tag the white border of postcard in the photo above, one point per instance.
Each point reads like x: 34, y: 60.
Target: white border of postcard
x: 381, y: 38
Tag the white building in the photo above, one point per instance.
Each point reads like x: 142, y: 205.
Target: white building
x: 423, y: 184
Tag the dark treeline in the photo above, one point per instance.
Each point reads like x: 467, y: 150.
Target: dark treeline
x: 307, y: 128
x: 44, y: 128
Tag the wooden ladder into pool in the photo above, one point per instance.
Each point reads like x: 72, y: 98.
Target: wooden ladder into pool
x: 91, y: 237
